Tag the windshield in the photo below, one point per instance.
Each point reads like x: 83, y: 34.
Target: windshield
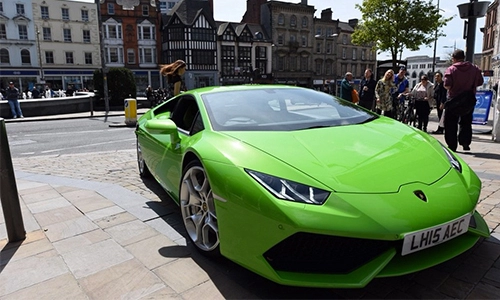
x: 280, y: 109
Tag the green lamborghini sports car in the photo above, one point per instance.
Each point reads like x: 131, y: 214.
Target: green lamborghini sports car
x: 307, y: 189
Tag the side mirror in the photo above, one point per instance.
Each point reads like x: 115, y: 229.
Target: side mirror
x: 166, y: 126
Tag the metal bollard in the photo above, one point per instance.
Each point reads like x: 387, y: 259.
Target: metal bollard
x: 8, y: 191
x: 130, y: 105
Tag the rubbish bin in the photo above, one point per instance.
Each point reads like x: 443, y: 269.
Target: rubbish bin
x: 130, y: 111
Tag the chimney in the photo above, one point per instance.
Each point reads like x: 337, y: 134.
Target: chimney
x: 303, y: 2
x: 326, y: 14
x: 353, y: 23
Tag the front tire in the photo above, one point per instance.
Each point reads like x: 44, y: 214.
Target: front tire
x: 198, y: 209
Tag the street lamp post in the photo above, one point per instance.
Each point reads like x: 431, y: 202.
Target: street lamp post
x: 42, y: 80
x: 435, y: 46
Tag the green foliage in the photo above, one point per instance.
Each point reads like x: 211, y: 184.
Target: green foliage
x: 121, y: 85
x: 395, y: 25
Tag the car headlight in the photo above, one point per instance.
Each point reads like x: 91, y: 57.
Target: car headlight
x: 289, y: 190
x: 453, y: 160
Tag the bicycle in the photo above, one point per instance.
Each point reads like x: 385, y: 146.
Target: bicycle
x: 409, y: 115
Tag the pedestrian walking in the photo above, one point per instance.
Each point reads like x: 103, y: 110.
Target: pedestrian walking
x: 461, y: 80
x: 12, y: 95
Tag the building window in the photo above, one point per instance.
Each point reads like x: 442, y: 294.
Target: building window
x: 69, y: 58
x: 145, y: 10
x: 318, y: 31
x: 113, y: 31
x: 328, y: 68
x: 344, y: 53
x: 85, y: 15
x: 49, y: 57
x: 44, y: 12
x: 111, y: 9
x: 3, y: 32
x: 23, y: 32
x: 303, y: 63
x: 280, y: 39
x: 281, y: 19
x: 163, y: 6
x: 429, y: 65
x: 344, y: 39
x: 86, y: 36
x: 1, y: 6
x: 318, y: 47
x: 20, y: 9
x: 147, y: 32
x: 354, y: 52
x: 130, y: 56
x: 88, y: 58
x: 147, y: 55
x: 67, y: 35
x: 25, y: 57
x: 293, y: 63
x: 114, y: 55
x: 281, y: 63
x: 328, y: 48
x: 304, y: 41
x: 293, y: 38
x: 363, y: 53
x: 304, y: 22
x: 65, y: 14
x: 4, y: 56
x: 47, y: 36
x: 318, y: 67
x: 293, y: 21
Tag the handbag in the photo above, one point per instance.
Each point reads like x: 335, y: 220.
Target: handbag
x: 354, y: 96
x: 462, y: 104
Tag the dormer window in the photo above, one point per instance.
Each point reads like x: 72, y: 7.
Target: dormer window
x: 20, y: 9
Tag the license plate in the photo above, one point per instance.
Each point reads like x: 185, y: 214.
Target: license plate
x: 429, y: 237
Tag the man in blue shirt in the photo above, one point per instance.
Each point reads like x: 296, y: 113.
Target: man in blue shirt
x: 346, y: 87
x: 402, y: 89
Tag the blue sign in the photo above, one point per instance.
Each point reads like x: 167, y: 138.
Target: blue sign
x: 482, y: 109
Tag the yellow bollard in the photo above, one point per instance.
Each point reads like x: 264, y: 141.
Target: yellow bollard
x: 130, y: 111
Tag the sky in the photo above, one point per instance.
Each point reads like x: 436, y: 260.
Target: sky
x: 233, y: 10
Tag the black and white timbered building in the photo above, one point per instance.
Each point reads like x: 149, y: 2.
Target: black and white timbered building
x: 189, y: 33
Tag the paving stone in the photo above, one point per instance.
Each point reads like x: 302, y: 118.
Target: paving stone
x: 455, y: 288
x: 62, y: 230
x: 488, y: 250
x: 484, y: 291
x: 104, y: 212
x: 127, y: 280
x: 493, y: 275
x: 206, y: 290
x: 57, y: 215
x: 24, y: 250
x: 38, y: 194
x: 114, y: 220
x: 84, y: 239
x: 27, y: 272
x: 92, y: 203
x: 60, y: 287
x: 43, y: 206
x: 92, y: 258
x: 182, y: 274
x: 431, y: 278
x: 131, y: 232
x: 149, y: 251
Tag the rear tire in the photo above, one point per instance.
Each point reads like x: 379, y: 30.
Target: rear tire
x: 143, y: 168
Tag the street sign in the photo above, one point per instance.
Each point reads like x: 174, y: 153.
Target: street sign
x: 482, y: 109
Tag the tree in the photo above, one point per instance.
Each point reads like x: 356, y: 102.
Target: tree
x: 121, y: 84
x: 395, y: 25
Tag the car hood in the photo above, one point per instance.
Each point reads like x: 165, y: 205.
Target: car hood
x: 376, y: 157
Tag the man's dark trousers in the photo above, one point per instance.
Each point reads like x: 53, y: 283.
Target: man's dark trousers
x: 451, y: 123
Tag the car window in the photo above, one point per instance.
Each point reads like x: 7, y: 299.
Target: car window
x: 185, y: 113
x: 280, y: 109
